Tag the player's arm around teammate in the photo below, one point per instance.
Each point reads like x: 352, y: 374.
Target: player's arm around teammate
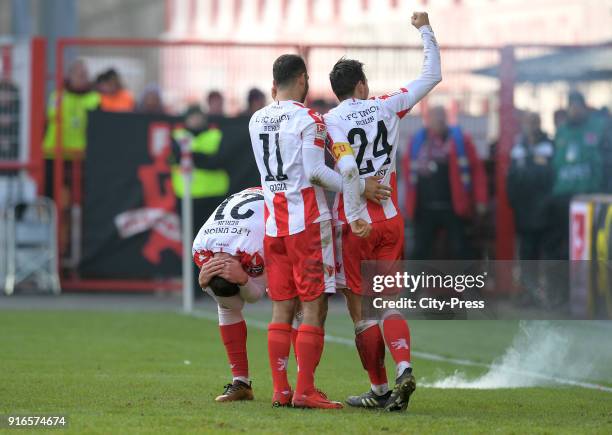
x: 371, y: 128
x: 288, y: 142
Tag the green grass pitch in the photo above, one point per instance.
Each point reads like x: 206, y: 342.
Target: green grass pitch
x: 137, y: 372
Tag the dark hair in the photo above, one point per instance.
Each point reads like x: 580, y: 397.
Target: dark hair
x: 287, y: 68
x: 344, y: 76
x: 222, y: 287
x: 576, y: 97
x: 254, y: 94
x: 214, y: 94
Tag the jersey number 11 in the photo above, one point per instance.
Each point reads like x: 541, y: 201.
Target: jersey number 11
x: 280, y: 176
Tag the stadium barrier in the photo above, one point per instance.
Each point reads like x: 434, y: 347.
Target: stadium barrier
x: 591, y: 254
x: 481, y: 102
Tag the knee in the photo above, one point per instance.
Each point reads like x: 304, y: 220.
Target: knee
x: 283, y: 312
x: 229, y: 316
x: 231, y: 303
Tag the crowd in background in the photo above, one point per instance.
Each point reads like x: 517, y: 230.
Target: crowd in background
x: 445, y: 183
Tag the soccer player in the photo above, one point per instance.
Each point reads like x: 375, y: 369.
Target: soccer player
x: 229, y: 251
x: 366, y: 131
x: 288, y: 141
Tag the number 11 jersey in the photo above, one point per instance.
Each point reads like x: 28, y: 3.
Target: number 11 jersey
x: 279, y: 132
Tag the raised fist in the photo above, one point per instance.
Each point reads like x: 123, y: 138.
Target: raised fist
x: 419, y: 19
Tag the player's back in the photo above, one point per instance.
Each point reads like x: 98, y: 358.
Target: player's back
x: 372, y: 130
x: 291, y: 200
x: 235, y: 227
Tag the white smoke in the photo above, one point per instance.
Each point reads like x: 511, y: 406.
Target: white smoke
x: 541, y: 353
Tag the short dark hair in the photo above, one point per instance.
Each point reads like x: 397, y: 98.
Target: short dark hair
x: 287, y: 68
x: 344, y: 76
x: 222, y: 287
x: 255, y: 94
x: 214, y: 94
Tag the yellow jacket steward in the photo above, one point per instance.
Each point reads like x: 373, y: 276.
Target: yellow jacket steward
x: 207, y: 180
x: 73, y: 119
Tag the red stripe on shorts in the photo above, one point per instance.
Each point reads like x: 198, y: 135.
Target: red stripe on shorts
x: 281, y: 214
x: 376, y: 212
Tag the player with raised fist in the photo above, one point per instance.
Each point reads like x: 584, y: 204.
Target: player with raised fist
x: 365, y: 134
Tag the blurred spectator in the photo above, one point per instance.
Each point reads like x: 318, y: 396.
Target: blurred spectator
x: 255, y: 100
x: 210, y: 184
x: 320, y: 105
x: 215, y: 103
x: 151, y: 101
x: 9, y: 120
x: 445, y: 186
x: 78, y: 97
x: 577, y: 163
x: 115, y: 98
x: 559, y: 118
x: 529, y: 185
x: 606, y: 150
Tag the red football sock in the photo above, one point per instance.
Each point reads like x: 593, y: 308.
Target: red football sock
x: 294, y: 333
x: 309, y: 347
x: 234, y: 338
x: 397, y: 336
x: 279, y: 346
x: 371, y: 349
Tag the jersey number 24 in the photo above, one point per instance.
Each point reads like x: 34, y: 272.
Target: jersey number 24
x: 381, y: 147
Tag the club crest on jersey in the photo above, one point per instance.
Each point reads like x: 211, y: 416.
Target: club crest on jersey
x: 321, y: 131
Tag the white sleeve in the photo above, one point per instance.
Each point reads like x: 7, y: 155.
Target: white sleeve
x: 345, y: 161
x: 400, y: 102
x: 313, y: 156
x: 254, y: 289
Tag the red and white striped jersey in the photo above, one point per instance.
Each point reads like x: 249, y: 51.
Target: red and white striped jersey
x: 237, y: 228
x: 279, y: 134
x: 371, y: 127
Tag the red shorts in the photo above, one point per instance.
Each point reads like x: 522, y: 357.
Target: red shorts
x: 385, y: 243
x: 301, y: 265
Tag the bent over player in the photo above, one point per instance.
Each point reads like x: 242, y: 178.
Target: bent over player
x: 229, y: 250
x: 367, y: 132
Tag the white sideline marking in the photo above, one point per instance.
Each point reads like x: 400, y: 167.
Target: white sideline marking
x: 428, y: 356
